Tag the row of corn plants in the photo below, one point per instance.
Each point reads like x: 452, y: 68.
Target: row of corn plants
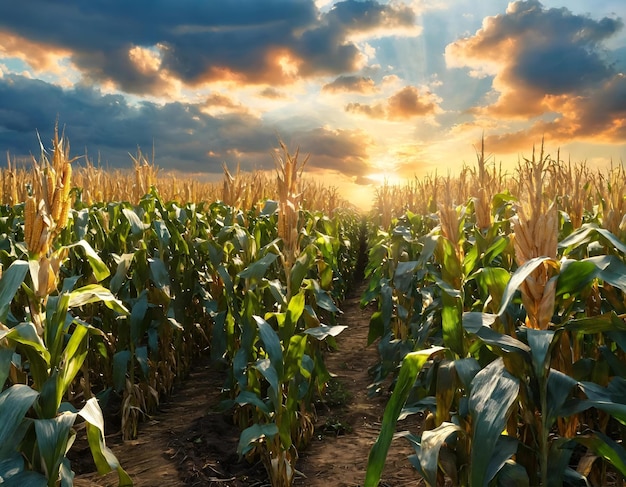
x: 109, y: 303
x: 507, y: 314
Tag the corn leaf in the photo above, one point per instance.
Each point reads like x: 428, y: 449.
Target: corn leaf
x: 12, y: 279
x: 258, y: 269
x: 493, y: 391
x: 605, y: 447
x: 271, y: 343
x: 323, y: 331
x: 575, y: 276
x: 411, y: 366
x: 14, y: 404
x: 518, y: 277
x: 52, y: 438
x: 430, y: 445
x: 251, y: 435
x: 103, y: 457
x: 99, y: 268
x: 94, y: 293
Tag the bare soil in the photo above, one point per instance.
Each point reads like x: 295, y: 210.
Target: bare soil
x: 191, y: 443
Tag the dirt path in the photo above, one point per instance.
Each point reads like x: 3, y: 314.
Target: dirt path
x: 190, y: 443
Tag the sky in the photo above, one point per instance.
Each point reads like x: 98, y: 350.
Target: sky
x: 373, y: 90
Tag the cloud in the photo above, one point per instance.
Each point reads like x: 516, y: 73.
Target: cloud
x: 185, y: 137
x: 405, y: 104
x: 547, y: 64
x: 147, y: 47
x: 355, y: 84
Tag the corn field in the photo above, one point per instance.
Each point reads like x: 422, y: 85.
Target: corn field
x: 500, y: 312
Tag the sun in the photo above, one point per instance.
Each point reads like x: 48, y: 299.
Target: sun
x: 382, y: 178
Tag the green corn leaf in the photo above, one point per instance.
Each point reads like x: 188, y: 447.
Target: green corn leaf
x: 430, y: 445
x: 513, y: 475
x: 605, y: 447
x: 411, y: 366
x: 540, y: 342
x: 159, y: 275
x: 123, y: 265
x: 52, y: 439
x: 99, y: 268
x: 518, y: 277
x: 26, y: 478
x: 120, y: 367
x: 94, y: 293
x: 293, y: 356
x: 585, y: 235
x: 493, y: 391
x: 137, y: 227
x: 575, y: 276
x: 295, y: 308
x: 608, y: 322
x: 271, y: 343
x: 247, y: 397
x: 506, y: 447
x: 72, y: 359
x: 6, y: 355
x: 14, y: 404
x: 103, y: 457
x: 324, y: 331
x: 258, y: 269
x: 559, y: 388
x: 271, y: 376
x: 479, y: 324
x: 404, y: 275
x: 300, y: 269
x: 610, y: 269
x: 12, y: 279
x: 251, y: 435
x: 494, y: 279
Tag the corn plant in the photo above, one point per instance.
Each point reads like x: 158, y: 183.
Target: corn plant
x: 43, y: 347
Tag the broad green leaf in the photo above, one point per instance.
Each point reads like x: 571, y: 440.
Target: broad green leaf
x: 559, y: 389
x: 94, y: 293
x: 518, y: 277
x: 52, y: 438
x: 506, y: 447
x: 258, y: 269
x: 300, y: 269
x: 452, y: 324
x: 575, y: 276
x: 479, y: 325
x: 6, y: 354
x: 466, y: 370
x: 494, y: 279
x: 404, y: 275
x: 99, y: 268
x: 293, y: 356
x: 493, y: 391
x: 271, y: 343
x: 609, y: 322
x: 271, y: 376
x: 540, y: 342
x: 103, y: 457
x: 513, y: 475
x: 123, y: 265
x: 251, y: 435
x: 12, y: 279
x: 431, y: 443
x: 159, y: 275
x: 72, y: 360
x: 584, y: 235
x: 411, y: 366
x: 323, y: 331
x: 247, y: 397
x: 120, y: 367
x: 26, y: 478
x: 606, y: 448
x: 294, y: 311
x: 14, y: 404
x: 137, y: 227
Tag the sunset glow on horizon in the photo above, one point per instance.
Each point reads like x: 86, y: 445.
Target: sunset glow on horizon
x: 375, y: 91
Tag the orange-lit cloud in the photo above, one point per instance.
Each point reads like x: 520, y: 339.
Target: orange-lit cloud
x: 547, y: 65
x: 37, y: 55
x: 407, y: 103
x: 354, y: 84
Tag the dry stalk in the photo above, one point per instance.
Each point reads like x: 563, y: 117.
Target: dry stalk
x: 535, y: 235
x: 288, y: 175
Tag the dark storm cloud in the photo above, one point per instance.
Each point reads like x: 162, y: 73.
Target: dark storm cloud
x: 355, y: 84
x: 196, y: 41
x: 546, y: 61
x: 184, y: 136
